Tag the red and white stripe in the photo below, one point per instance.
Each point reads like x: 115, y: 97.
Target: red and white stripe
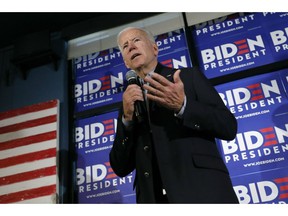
x: 28, y: 146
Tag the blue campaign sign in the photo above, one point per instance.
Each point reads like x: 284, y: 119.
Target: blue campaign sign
x: 98, y: 61
x: 224, y: 27
x: 177, y: 59
x: 262, y: 188
x: 260, y: 106
x: 233, y: 54
x: 99, y: 89
x: 239, y: 42
x: 273, y: 18
x: 259, y: 146
x: 96, y: 181
x: 278, y: 40
x: 171, y: 42
x: 173, y: 49
x: 254, y: 96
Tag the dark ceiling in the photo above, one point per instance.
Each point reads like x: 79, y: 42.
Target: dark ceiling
x: 70, y: 25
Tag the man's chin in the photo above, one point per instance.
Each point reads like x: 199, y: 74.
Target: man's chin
x: 137, y: 66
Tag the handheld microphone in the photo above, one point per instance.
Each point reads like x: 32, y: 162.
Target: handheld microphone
x: 139, y: 106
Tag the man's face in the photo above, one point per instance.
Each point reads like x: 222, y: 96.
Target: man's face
x: 137, y: 50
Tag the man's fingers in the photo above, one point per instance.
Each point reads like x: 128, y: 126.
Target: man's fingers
x: 156, y: 79
x: 176, y: 76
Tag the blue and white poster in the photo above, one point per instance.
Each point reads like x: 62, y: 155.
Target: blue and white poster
x: 223, y: 27
x: 254, y: 96
x: 233, y: 54
x: 173, y: 49
x: 272, y: 18
x: 229, y: 45
x: 97, y: 61
x: 278, y: 40
x: 260, y: 106
x: 96, y: 181
x: 100, y: 88
x: 259, y: 146
x: 179, y: 59
x: 262, y: 188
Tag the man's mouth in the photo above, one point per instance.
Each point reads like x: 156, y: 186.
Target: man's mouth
x: 134, y: 56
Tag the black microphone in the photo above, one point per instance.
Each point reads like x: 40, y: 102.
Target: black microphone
x: 139, y: 106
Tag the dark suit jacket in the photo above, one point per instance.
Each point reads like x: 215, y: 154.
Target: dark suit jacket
x: 191, y: 168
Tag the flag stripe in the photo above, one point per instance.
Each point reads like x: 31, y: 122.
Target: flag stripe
x: 28, y: 194
x: 27, y: 149
x: 27, y: 157
x: 28, y: 132
x: 28, y: 175
x: 26, y: 167
x: 28, y: 124
x: 27, y: 185
x: 29, y: 109
x: 28, y: 140
x: 51, y: 198
x: 27, y: 117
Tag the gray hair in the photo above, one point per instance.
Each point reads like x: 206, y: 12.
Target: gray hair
x: 145, y: 31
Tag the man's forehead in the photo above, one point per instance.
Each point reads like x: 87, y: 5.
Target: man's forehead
x: 131, y: 34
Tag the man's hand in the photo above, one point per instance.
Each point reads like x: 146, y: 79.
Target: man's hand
x: 131, y: 94
x: 168, y: 94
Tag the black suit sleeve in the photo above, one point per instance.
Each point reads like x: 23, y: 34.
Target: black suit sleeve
x: 122, y: 159
x: 205, y: 111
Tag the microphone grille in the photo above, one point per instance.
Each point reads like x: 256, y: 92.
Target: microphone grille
x: 131, y: 74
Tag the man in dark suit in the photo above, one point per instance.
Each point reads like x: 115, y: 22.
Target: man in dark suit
x: 173, y: 149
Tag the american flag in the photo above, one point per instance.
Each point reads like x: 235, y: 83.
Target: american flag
x: 28, y: 146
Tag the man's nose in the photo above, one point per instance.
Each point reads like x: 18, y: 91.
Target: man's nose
x: 131, y: 46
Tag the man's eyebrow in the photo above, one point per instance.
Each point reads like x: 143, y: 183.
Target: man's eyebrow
x: 126, y: 42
